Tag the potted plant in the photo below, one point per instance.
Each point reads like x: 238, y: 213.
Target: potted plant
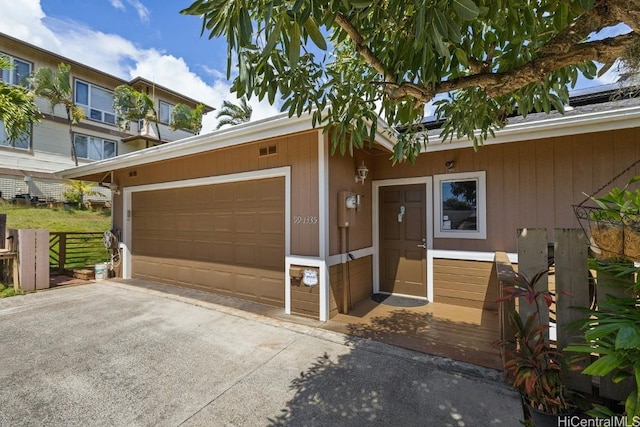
x: 615, y: 230
x: 532, y: 365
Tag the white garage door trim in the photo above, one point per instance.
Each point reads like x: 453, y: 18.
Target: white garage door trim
x: 127, y: 196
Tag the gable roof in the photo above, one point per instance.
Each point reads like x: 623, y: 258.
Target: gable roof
x: 271, y: 127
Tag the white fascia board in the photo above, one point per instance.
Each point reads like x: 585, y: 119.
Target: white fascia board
x: 549, y: 128
x: 270, y: 127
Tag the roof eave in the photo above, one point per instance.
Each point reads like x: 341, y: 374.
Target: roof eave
x: 600, y: 121
x: 271, y: 127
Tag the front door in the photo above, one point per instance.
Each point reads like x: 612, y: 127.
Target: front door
x: 403, y: 257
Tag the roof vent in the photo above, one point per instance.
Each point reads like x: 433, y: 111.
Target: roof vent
x: 267, y: 151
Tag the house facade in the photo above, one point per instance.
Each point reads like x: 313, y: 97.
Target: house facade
x: 27, y: 165
x: 263, y: 211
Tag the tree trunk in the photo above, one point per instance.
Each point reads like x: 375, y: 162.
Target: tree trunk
x: 158, y: 131
x: 74, y: 156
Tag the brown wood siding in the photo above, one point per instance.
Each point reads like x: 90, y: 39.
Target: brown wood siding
x: 300, y: 151
x: 224, y: 238
x: 342, y: 172
x: 530, y: 184
x: 360, y: 274
x: 305, y: 300
x: 464, y: 283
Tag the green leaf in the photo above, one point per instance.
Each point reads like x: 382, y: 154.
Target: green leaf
x: 561, y: 17
x: 314, y: 32
x: 632, y: 405
x: 586, y: 4
x: 440, y: 21
x: 246, y: 27
x: 628, y: 337
x: 603, y: 365
x: 294, y: 45
x: 359, y: 4
x: 461, y: 55
x: 466, y: 9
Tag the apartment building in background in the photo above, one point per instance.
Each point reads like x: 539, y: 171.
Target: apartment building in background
x: 27, y: 166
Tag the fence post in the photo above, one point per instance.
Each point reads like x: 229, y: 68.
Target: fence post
x: 27, y: 259
x: 33, y: 258
x: 532, y: 258
x: 572, y: 294
x: 505, y: 276
x: 3, y: 230
x: 62, y: 255
x: 42, y: 259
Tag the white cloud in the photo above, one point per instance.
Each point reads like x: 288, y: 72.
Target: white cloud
x: 117, y: 4
x: 143, y: 12
x: 116, y: 55
x: 174, y: 73
x: 141, y: 9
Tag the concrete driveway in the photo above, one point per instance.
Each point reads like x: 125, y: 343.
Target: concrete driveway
x: 112, y: 354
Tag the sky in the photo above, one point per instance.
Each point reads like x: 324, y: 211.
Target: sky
x: 145, y: 38
x: 131, y: 38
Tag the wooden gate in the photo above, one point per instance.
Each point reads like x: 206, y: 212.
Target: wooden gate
x: 570, y: 279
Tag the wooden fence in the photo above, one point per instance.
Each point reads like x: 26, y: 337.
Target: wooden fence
x: 569, y: 278
x: 75, y: 250
x: 31, y: 248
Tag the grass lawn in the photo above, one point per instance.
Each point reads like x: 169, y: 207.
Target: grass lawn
x: 56, y: 219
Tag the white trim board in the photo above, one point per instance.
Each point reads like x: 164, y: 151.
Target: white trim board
x: 344, y: 258
x: 469, y: 255
x: 428, y: 183
x: 127, y: 196
x: 323, y: 226
x: 324, y: 280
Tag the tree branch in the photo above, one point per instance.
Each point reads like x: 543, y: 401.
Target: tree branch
x: 496, y: 85
x: 561, y: 51
x: 363, y: 50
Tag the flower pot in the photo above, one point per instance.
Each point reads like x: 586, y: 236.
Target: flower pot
x: 632, y: 242
x: 545, y: 419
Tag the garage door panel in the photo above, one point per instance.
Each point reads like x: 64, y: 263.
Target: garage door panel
x: 270, y: 190
x: 202, y: 250
x: 223, y: 194
x: 223, y: 252
x: 246, y: 222
x: 225, y: 238
x: 271, y: 257
x: 271, y: 222
x: 245, y: 254
x: 246, y: 191
x: 222, y: 221
x: 201, y: 221
x: 184, y: 274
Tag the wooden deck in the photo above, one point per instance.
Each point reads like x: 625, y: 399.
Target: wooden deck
x: 460, y: 333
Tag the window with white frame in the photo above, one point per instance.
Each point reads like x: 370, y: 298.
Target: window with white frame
x: 18, y: 73
x: 164, y: 112
x: 96, y: 102
x: 92, y: 148
x: 22, y: 143
x: 460, y: 205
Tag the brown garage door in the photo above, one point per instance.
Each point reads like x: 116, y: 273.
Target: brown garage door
x: 223, y: 238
